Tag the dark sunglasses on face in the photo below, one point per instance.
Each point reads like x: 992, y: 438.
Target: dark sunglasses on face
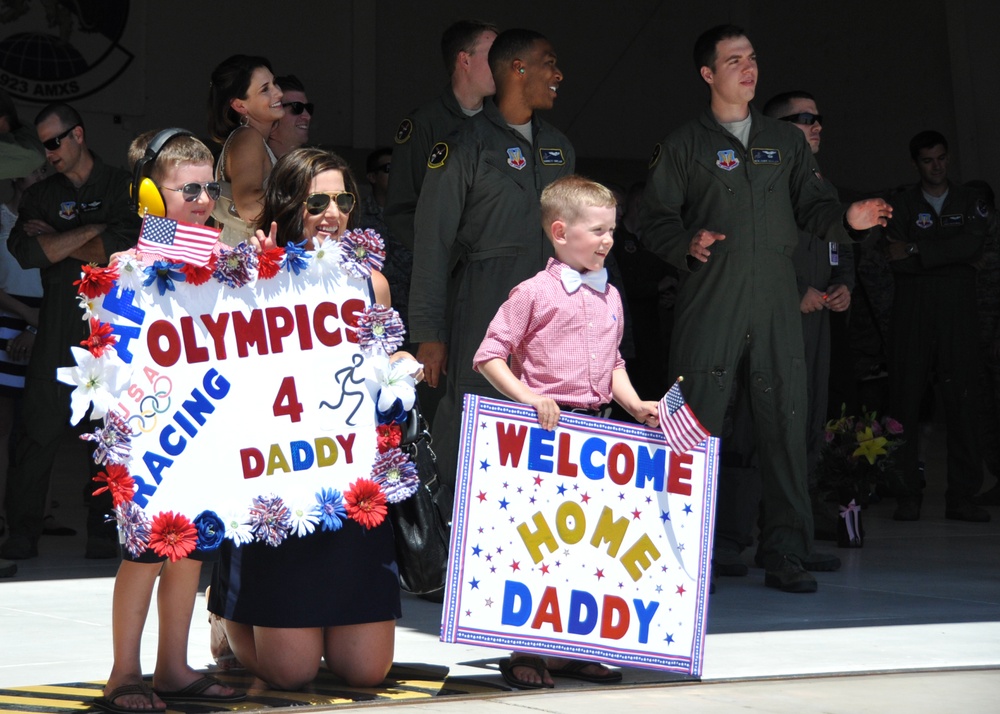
x: 316, y: 203
x: 297, y: 107
x: 54, y: 143
x: 192, y: 191
x: 807, y: 118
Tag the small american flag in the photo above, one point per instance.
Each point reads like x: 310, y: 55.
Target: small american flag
x: 678, y: 423
x: 174, y: 240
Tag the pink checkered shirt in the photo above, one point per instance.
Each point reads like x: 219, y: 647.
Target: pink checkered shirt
x: 561, y: 346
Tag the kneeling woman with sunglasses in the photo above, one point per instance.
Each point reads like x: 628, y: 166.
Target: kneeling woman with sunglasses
x: 333, y: 595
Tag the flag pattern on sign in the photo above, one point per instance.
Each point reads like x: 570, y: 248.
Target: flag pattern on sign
x: 678, y: 423
x: 174, y: 240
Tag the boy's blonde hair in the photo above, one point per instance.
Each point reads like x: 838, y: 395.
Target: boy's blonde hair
x: 181, y: 149
x: 565, y: 198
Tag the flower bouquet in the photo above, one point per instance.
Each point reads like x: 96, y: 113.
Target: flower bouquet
x: 857, y: 456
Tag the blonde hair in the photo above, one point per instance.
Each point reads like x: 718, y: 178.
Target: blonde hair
x: 180, y: 149
x: 565, y: 198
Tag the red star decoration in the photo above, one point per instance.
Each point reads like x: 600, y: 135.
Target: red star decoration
x: 635, y: 514
x: 481, y: 496
x: 515, y: 566
x: 545, y: 569
x: 538, y: 480
x: 584, y: 498
x: 599, y: 573
x: 680, y: 589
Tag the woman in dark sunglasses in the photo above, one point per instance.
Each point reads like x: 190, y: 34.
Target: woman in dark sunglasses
x: 334, y: 596
x: 243, y: 105
x: 311, y: 196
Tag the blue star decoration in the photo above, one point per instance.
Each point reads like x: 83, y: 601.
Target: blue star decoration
x: 484, y: 465
x: 664, y: 516
x: 562, y: 490
x: 687, y: 508
x: 669, y: 639
x: 474, y: 583
x: 476, y: 550
x: 504, y: 503
x: 482, y: 425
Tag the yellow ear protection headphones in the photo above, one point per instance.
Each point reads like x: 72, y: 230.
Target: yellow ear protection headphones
x: 145, y: 195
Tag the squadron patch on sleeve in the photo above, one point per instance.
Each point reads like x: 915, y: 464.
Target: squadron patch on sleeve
x: 982, y: 208
x: 404, y: 132
x: 655, y: 157
x: 439, y: 152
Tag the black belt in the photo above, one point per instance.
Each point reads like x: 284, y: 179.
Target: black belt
x: 603, y: 411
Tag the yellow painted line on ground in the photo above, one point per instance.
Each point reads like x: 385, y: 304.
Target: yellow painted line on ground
x: 49, y: 704
x: 56, y: 689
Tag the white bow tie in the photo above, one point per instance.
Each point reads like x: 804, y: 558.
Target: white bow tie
x: 596, y: 280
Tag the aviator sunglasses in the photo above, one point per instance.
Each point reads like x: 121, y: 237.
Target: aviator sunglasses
x: 807, y: 118
x: 297, y: 107
x: 316, y: 203
x: 191, y: 191
x: 54, y: 143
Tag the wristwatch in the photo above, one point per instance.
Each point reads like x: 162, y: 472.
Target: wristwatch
x: 912, y: 249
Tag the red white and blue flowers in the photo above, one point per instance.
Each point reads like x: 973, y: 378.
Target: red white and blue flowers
x: 102, y: 377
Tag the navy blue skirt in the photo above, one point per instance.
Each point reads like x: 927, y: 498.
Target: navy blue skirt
x: 327, y: 579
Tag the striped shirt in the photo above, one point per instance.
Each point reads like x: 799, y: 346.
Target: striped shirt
x: 562, y: 346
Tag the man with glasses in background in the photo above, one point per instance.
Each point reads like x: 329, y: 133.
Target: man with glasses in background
x: 824, y: 273
x: 292, y: 130
x: 78, y: 215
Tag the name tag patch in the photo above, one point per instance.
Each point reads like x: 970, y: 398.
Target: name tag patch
x: 551, y: 157
x: 952, y: 219
x: 765, y: 156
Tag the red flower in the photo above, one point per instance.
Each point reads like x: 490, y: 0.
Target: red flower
x: 96, y: 281
x: 389, y: 436
x: 173, y: 535
x: 365, y: 503
x: 269, y: 262
x: 101, y: 337
x: 118, y: 481
x: 199, y: 274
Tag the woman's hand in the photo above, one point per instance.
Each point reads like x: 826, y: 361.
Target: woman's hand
x: 261, y: 242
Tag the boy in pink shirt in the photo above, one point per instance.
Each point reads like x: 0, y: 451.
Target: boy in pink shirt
x: 561, y: 330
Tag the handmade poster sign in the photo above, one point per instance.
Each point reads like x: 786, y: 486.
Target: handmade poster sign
x: 591, y: 541
x: 251, y: 398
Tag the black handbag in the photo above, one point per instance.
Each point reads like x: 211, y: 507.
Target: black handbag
x: 422, y: 523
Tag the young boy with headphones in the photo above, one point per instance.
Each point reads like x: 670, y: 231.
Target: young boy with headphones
x: 172, y: 177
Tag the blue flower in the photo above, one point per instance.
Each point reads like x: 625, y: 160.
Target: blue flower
x: 164, y: 274
x: 330, y: 509
x: 295, y: 259
x: 211, y: 530
x: 395, y: 414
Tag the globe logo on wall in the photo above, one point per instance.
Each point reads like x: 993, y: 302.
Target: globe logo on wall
x: 60, y: 50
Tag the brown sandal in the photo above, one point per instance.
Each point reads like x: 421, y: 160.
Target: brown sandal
x: 536, y: 663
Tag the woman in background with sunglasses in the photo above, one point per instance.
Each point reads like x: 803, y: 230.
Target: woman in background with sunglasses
x: 243, y: 105
x: 335, y: 594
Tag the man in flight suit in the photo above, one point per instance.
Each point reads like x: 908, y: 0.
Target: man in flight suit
x: 936, y: 234
x: 725, y: 198
x: 478, y: 224
x: 78, y: 215
x: 465, y: 46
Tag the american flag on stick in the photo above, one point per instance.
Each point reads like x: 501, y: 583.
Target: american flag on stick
x: 678, y: 423
x: 174, y: 240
